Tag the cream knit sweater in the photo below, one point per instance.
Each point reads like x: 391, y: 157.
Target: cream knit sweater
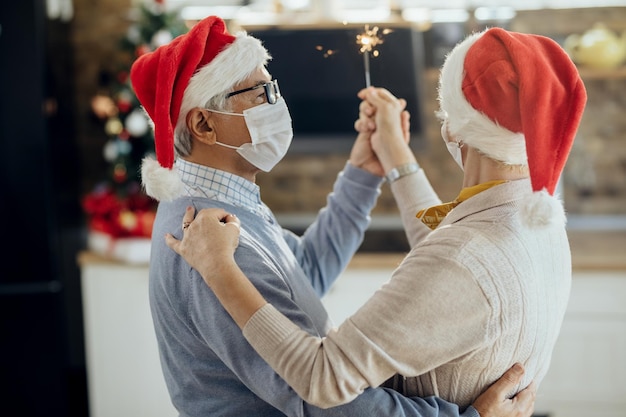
x: 472, y: 297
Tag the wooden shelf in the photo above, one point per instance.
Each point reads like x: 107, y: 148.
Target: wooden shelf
x: 432, y: 74
x: 602, y: 74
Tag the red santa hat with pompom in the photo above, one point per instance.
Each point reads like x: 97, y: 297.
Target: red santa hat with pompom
x: 184, y: 74
x: 518, y: 99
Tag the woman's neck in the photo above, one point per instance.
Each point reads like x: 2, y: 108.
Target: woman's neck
x: 479, y: 169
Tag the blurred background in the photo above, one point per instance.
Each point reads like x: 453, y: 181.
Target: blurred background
x: 77, y: 224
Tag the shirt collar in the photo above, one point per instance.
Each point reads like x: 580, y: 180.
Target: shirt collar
x: 204, y: 181
x: 433, y: 216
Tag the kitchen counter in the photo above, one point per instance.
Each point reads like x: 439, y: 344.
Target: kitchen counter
x: 591, y: 250
x: 597, y: 242
x: 604, y: 250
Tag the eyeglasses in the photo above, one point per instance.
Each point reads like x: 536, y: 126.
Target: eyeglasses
x: 272, y: 92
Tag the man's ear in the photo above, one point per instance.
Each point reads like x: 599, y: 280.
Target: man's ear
x: 201, y: 125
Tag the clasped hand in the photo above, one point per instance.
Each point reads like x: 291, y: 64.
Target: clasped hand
x: 383, y: 130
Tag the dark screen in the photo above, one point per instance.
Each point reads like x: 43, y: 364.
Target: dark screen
x: 320, y: 88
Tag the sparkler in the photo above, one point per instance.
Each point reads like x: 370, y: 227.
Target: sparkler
x: 368, y: 41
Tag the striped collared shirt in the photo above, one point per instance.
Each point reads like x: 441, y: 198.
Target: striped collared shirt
x: 207, y: 182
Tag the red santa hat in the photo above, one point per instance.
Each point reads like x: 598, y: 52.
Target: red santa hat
x: 184, y: 74
x: 518, y: 99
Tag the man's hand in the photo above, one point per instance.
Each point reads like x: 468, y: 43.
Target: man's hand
x: 362, y: 154
x: 494, y: 402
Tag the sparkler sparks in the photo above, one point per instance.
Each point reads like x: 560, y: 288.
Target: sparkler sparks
x: 325, y: 52
x: 368, y: 41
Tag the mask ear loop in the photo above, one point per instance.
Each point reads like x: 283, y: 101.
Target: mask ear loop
x: 446, y: 137
x: 225, y: 113
x: 227, y: 145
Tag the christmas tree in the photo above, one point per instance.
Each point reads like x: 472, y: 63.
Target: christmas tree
x: 118, y: 207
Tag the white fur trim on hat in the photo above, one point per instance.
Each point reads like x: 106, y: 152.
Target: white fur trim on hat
x: 160, y: 183
x: 230, y: 67
x: 468, y: 125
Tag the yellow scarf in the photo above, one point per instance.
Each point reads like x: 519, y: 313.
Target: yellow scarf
x: 432, y: 216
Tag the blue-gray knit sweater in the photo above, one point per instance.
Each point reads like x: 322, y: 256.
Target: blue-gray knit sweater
x: 209, y: 367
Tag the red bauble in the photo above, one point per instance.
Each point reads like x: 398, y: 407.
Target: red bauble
x: 120, y: 174
x: 122, y: 77
x: 124, y: 106
x: 141, y: 50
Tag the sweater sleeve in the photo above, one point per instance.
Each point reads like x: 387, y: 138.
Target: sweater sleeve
x: 328, y: 244
x: 429, y: 313
x: 413, y: 193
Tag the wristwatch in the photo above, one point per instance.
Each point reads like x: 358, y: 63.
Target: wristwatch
x: 401, y: 171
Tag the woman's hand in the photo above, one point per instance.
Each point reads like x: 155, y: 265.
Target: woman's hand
x: 363, y: 155
x: 384, y: 115
x: 208, y: 245
x: 209, y: 241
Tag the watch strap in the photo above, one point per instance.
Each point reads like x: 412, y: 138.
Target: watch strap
x: 401, y: 171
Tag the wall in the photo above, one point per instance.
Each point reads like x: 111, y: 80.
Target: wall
x: 593, y: 179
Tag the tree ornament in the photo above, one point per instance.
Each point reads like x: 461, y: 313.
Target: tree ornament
x: 110, y: 151
x: 103, y: 106
x: 120, y: 173
x: 133, y: 35
x: 125, y: 100
x: 137, y: 123
x: 160, y: 38
x: 124, y: 147
x: 113, y: 126
x: 142, y: 49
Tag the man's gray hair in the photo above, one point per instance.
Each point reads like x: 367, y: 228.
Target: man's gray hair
x: 182, y: 135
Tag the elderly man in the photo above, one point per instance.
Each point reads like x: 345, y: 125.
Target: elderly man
x: 219, y: 119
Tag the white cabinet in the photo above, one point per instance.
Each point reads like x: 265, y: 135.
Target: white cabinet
x: 587, y: 376
x: 124, y: 375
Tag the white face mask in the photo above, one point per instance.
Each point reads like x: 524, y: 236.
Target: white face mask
x: 271, y: 133
x: 454, y: 148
